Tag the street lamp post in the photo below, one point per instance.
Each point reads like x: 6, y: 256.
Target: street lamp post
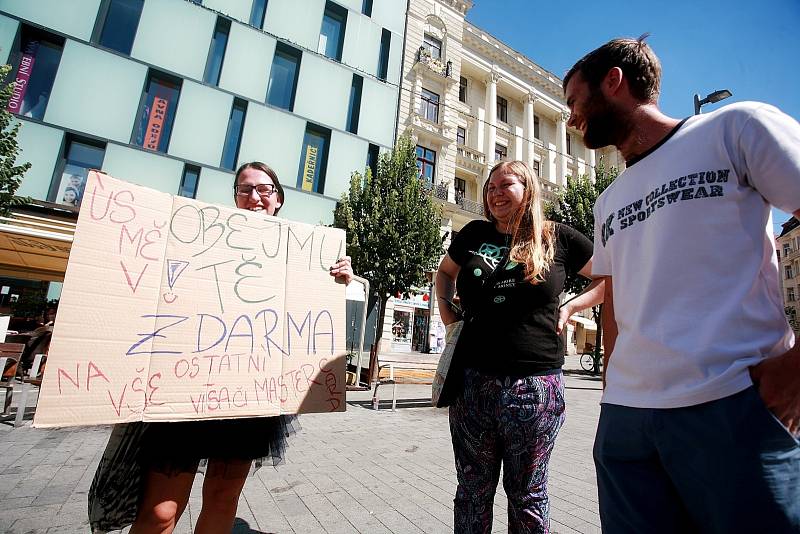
x: 716, y: 96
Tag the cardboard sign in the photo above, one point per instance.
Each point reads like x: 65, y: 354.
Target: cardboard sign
x: 173, y: 309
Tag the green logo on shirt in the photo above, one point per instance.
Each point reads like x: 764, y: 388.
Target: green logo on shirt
x: 477, y: 272
x: 499, y: 299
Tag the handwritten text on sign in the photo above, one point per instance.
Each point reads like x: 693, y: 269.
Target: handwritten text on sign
x: 173, y: 309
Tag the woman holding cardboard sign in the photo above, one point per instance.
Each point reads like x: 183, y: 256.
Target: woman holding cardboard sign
x: 168, y: 455
x: 510, y: 271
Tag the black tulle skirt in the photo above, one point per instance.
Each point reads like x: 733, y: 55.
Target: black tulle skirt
x: 182, y: 447
x: 173, y: 448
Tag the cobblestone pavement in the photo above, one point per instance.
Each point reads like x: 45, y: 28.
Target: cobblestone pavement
x: 360, y: 471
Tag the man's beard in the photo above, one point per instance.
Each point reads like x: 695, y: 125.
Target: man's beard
x: 606, y: 123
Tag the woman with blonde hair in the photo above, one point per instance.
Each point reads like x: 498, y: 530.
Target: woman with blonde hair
x: 509, y: 272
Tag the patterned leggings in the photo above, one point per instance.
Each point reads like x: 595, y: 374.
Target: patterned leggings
x: 513, y: 420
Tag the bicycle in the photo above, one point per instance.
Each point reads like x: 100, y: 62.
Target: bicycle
x: 587, y: 361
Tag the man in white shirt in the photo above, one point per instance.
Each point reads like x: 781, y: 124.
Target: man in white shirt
x: 701, y: 409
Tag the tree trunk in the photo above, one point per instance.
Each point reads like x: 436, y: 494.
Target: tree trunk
x: 373, y: 353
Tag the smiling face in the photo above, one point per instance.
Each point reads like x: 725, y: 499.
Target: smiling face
x: 601, y: 122
x: 70, y: 196
x: 255, y: 202
x: 504, y: 196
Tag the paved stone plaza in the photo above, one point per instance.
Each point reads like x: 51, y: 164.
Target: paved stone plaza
x: 359, y: 471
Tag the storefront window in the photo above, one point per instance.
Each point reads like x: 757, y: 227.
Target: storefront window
x: 401, y: 327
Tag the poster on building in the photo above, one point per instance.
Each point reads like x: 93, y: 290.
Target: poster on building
x: 173, y: 309
x: 310, y: 168
x: 155, y: 123
x: 24, y: 72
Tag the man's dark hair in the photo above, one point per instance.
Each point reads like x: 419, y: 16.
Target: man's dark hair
x: 638, y: 62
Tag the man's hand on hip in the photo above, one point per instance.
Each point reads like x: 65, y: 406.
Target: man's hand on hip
x: 778, y: 382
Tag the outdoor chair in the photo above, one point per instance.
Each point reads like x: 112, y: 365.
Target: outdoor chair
x: 10, y: 356
x: 409, y: 373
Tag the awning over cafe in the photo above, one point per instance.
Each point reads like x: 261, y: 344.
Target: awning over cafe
x: 35, y: 246
x: 586, y: 323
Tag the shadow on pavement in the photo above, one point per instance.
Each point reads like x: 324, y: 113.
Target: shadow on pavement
x: 10, y: 417
x: 240, y: 526
x: 401, y: 403
x: 585, y: 375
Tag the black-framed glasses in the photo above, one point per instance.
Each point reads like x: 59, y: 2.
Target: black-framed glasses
x: 263, y: 190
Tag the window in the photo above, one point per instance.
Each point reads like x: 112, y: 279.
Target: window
x: 462, y: 89
x: 217, y: 52
x: 189, y: 181
x: 331, y: 35
x: 35, y: 66
x: 790, y: 294
x: 502, y: 109
x: 117, y: 24
x: 366, y: 7
x: 788, y: 271
x: 461, y: 136
x: 354, y: 109
x: 786, y: 249
x: 258, y: 13
x: 383, y: 54
x: 426, y: 163
x: 536, y: 127
x: 157, y: 112
x: 314, y: 159
x: 233, y: 137
x: 537, y: 169
x: 500, y: 152
x: 569, y: 145
x: 372, y: 158
x: 283, y: 77
x: 429, y: 105
x: 433, y: 46
x: 461, y: 189
x: 79, y: 157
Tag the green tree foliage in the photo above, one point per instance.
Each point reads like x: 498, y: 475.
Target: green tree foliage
x: 392, y: 225
x: 10, y: 173
x: 574, y: 208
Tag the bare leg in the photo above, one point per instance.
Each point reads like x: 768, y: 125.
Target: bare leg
x: 221, y: 489
x: 165, y: 498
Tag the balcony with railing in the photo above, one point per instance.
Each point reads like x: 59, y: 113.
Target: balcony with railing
x: 436, y: 65
x: 438, y: 191
x: 792, y: 254
x: 441, y: 192
x: 550, y: 191
x: 470, y: 159
x: 468, y: 205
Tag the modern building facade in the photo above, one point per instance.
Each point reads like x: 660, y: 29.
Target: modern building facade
x: 788, y: 249
x: 469, y: 100
x: 175, y: 94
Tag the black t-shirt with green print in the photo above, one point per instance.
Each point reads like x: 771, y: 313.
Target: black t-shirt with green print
x: 513, y: 326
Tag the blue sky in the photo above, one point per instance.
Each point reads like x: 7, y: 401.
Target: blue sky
x: 749, y: 47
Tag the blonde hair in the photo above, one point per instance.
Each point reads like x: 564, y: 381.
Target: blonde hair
x: 533, y: 237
